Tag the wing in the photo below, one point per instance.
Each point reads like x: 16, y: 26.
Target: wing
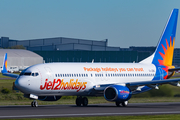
x: 4, y: 69
x: 154, y: 82
x: 136, y: 86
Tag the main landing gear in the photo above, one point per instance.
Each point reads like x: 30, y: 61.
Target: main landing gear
x: 81, y: 101
x: 124, y: 104
x: 34, y: 103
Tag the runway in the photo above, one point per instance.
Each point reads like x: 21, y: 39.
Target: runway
x: 109, y: 109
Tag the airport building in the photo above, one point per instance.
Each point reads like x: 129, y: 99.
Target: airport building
x: 59, y: 44
x: 61, y: 49
x: 89, y: 56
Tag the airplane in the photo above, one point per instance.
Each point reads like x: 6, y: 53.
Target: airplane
x: 117, y: 82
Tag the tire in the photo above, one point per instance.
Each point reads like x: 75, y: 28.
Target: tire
x: 78, y: 101
x: 32, y: 104
x: 35, y: 104
x: 125, y: 103
x: 117, y: 104
x: 85, y: 101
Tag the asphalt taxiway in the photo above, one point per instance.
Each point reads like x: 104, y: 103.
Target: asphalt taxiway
x: 44, y: 111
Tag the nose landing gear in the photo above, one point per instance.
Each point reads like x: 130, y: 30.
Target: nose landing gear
x: 81, y: 101
x: 34, y: 103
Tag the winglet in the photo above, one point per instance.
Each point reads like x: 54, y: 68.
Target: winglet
x: 4, y: 67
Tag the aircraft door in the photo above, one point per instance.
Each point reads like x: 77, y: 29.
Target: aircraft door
x: 49, y: 73
x: 105, y: 76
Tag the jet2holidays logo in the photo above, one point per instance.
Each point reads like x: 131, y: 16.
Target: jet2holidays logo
x: 59, y: 84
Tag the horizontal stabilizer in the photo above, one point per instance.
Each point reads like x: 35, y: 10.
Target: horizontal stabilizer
x: 174, y: 69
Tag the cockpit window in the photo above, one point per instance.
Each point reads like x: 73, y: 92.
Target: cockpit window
x: 27, y: 73
x: 22, y: 73
x: 33, y: 74
x: 36, y: 74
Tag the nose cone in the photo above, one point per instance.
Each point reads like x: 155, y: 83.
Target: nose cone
x: 21, y: 84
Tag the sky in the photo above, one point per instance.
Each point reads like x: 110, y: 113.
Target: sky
x: 123, y: 22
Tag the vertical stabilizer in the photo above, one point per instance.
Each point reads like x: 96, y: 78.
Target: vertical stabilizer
x: 163, y: 54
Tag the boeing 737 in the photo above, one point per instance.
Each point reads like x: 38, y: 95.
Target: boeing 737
x: 117, y: 82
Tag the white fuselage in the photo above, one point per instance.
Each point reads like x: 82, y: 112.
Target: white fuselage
x: 80, y: 78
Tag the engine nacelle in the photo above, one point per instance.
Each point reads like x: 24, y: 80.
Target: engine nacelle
x: 117, y: 93
x: 49, y: 98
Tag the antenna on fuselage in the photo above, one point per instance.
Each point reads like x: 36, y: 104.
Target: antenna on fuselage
x: 92, y: 60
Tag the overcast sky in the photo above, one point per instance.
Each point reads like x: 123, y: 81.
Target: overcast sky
x: 123, y: 22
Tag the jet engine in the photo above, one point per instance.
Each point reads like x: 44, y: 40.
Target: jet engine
x: 117, y: 93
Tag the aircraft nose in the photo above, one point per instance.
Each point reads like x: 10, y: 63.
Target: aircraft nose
x: 20, y: 83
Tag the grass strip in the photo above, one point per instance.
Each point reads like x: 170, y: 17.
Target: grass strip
x: 139, y: 117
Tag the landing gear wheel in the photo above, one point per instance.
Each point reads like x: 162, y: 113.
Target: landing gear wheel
x: 81, y: 101
x: 34, y: 104
x: 117, y: 103
x: 125, y: 103
x: 78, y: 101
x: 85, y: 101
